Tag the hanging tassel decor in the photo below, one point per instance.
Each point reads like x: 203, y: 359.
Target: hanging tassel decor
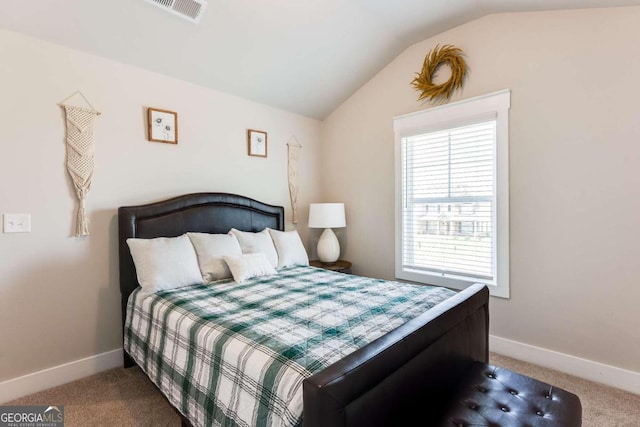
x: 80, y: 158
x: 292, y: 174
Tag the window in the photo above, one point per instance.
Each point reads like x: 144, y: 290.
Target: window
x: 452, y: 194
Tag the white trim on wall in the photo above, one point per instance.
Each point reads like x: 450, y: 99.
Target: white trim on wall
x: 579, y: 367
x: 492, y: 106
x: 583, y: 368
x: 58, y: 375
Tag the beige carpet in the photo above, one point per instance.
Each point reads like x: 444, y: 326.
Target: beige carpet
x: 119, y: 397
x: 125, y: 397
x: 602, y: 406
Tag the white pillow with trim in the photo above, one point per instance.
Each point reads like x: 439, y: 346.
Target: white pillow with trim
x: 210, y: 248
x: 165, y: 263
x: 247, y: 266
x: 290, y: 249
x: 260, y: 242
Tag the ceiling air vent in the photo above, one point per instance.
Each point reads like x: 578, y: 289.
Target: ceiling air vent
x: 191, y: 10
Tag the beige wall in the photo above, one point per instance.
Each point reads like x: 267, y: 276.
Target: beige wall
x: 59, y: 296
x: 574, y: 172
x: 575, y: 156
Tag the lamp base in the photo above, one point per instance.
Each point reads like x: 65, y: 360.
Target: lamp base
x: 328, y: 247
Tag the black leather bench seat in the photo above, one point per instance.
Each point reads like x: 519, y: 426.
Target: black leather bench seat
x: 491, y: 396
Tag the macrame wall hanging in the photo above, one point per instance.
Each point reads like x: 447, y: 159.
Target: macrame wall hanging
x: 80, y: 155
x: 293, y: 147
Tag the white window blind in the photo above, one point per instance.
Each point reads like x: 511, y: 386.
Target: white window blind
x: 452, y: 194
x: 448, y: 207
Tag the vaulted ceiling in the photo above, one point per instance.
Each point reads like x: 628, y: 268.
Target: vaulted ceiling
x: 304, y: 56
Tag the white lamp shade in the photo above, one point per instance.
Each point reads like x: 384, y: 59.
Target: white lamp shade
x: 327, y: 215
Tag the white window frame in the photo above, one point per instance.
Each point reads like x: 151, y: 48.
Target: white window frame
x: 447, y: 116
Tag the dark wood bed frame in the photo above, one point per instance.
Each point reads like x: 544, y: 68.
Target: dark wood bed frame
x: 405, y: 375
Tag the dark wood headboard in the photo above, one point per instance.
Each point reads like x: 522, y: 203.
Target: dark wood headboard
x: 197, y: 212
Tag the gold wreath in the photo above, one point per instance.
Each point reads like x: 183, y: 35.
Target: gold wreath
x: 439, y: 56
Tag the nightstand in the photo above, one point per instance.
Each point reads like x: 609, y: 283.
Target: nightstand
x: 340, y: 266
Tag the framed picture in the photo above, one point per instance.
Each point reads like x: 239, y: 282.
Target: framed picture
x: 162, y: 125
x: 257, y: 143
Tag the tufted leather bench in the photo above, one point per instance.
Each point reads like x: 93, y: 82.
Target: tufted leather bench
x: 491, y: 396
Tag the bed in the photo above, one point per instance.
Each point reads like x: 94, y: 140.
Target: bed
x: 407, y: 372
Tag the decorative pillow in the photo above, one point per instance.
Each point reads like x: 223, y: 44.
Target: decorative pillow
x: 165, y: 263
x: 290, y: 249
x: 261, y: 242
x: 246, y: 266
x: 210, y: 248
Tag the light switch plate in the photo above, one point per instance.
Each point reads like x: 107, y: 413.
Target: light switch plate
x: 17, y: 223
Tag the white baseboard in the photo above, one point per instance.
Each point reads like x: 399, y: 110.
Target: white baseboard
x: 576, y: 366
x: 582, y: 368
x: 58, y: 375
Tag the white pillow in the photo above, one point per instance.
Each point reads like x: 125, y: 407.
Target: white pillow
x: 210, y: 248
x: 290, y: 249
x: 261, y: 242
x: 246, y: 266
x: 165, y: 263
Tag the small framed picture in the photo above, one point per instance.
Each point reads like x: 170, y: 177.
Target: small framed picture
x: 257, y: 143
x: 162, y: 125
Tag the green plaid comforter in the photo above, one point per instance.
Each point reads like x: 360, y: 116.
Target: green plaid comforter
x: 229, y: 354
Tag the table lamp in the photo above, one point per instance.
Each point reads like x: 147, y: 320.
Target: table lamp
x: 327, y: 216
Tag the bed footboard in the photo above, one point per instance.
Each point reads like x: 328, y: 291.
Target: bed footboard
x: 414, y: 366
